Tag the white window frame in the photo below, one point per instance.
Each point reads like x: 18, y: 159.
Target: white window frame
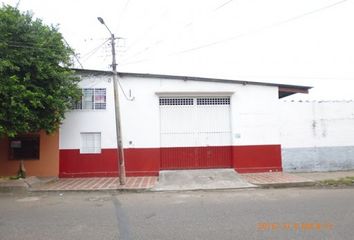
x: 97, y: 100
x: 90, y: 143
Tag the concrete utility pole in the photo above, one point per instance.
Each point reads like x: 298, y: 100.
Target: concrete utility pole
x: 120, y: 150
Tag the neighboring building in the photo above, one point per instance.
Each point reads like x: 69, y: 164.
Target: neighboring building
x: 168, y: 122
x: 39, y: 150
x: 317, y: 135
x: 173, y: 122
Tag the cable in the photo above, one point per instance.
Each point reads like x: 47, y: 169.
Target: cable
x: 125, y: 95
x: 245, y: 34
x: 75, y: 55
x: 18, y: 4
x: 147, y: 31
x: 143, y: 50
x: 28, y: 45
x: 262, y: 28
x: 223, y: 5
x: 93, y: 51
x: 186, y: 25
x: 122, y: 13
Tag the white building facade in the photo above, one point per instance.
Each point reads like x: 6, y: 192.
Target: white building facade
x: 172, y: 122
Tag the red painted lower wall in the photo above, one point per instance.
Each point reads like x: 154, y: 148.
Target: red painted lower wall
x: 196, y: 157
x: 74, y: 164
x: 138, y: 162
x: 257, y: 158
x: 149, y: 161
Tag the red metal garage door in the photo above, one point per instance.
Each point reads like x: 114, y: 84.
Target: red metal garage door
x: 195, y: 132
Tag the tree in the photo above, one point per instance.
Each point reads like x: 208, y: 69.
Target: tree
x: 36, y: 85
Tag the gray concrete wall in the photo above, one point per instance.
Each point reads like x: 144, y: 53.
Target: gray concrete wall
x: 317, y: 136
x: 318, y: 159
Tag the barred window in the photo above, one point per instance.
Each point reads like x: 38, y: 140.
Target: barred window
x: 87, y: 98
x: 100, y: 98
x: 213, y: 101
x: 176, y: 101
x: 90, y: 142
x: 92, y: 98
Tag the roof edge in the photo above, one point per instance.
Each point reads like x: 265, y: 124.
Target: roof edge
x: 284, y: 89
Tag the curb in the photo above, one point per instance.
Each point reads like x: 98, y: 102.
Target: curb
x: 287, y: 185
x: 14, y: 189
x: 205, y: 189
x: 89, y: 190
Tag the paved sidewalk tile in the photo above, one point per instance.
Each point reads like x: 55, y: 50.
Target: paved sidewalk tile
x: 276, y: 178
x: 99, y: 183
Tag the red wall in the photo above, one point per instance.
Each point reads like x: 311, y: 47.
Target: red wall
x: 138, y: 162
x: 196, y: 157
x: 257, y: 158
x: 146, y: 161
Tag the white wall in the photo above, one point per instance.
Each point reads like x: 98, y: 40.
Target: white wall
x: 254, y: 111
x: 77, y: 121
x: 316, y: 124
x: 317, y: 136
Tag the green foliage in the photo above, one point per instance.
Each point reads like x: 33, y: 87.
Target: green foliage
x: 36, y: 85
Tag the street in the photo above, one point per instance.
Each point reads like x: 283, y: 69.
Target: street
x: 287, y: 214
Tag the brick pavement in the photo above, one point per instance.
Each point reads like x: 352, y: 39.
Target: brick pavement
x: 98, y: 183
x: 276, y: 179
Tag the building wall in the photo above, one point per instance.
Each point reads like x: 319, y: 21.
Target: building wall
x: 254, y: 117
x: 47, y: 165
x: 317, y: 136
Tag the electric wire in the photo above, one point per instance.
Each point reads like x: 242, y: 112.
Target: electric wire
x: 28, y: 45
x: 122, y: 14
x: 145, y: 33
x: 75, y: 55
x: 86, y: 56
x: 186, y: 25
x: 295, y: 18
x: 18, y: 4
x: 286, y: 21
x: 223, y: 5
x: 124, y: 94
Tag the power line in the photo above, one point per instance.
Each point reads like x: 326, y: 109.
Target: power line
x: 15, y: 44
x: 147, y: 31
x: 223, y: 5
x: 125, y: 95
x: 297, y: 17
x: 122, y: 13
x: 75, y: 55
x: 262, y: 28
x: 28, y: 44
x: 186, y: 25
x: 144, y: 50
x: 18, y: 4
x: 93, y: 51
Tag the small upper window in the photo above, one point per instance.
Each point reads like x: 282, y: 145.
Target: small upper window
x: 92, y: 98
x: 90, y: 142
x: 24, y: 148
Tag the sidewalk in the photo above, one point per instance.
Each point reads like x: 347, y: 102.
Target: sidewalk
x: 320, y: 176
x: 285, y: 179
x: 200, y: 179
x: 278, y: 179
x: 7, y: 184
x: 76, y: 184
x: 98, y: 183
x: 204, y: 181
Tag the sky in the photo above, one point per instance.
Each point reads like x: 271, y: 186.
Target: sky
x: 302, y: 42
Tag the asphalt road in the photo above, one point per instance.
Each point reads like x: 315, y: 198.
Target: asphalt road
x: 286, y: 214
